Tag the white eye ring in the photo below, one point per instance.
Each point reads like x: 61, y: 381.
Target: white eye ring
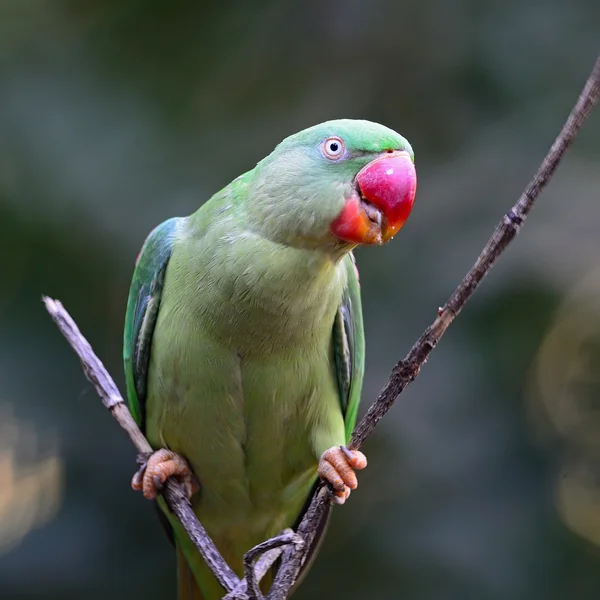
x: 333, y: 148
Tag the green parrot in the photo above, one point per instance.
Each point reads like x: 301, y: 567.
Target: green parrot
x: 244, y: 344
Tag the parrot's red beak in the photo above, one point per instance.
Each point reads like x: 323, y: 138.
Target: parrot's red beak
x: 385, y: 192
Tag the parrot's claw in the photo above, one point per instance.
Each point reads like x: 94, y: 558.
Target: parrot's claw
x: 336, y: 468
x: 152, y: 475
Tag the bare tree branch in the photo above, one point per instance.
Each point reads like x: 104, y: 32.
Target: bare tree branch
x: 293, y: 559
x: 268, y: 552
x: 285, y: 539
x: 408, y: 368
x: 405, y: 371
x: 111, y: 398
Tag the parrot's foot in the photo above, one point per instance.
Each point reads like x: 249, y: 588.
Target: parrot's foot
x: 336, y: 468
x: 161, y: 465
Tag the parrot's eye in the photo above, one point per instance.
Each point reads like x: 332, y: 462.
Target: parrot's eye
x: 333, y: 148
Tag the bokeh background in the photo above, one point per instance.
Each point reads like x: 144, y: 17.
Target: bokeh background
x: 484, y: 480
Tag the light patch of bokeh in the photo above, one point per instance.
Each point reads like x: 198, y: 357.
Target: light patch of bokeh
x: 31, y: 476
x: 567, y: 398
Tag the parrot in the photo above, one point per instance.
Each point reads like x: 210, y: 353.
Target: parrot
x: 244, y: 346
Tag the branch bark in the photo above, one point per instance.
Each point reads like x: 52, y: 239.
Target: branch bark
x: 404, y: 372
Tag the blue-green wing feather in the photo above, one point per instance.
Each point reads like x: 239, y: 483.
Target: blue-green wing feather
x: 142, y: 311
x: 349, y: 347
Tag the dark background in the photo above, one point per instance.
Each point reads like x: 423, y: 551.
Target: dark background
x: 116, y: 114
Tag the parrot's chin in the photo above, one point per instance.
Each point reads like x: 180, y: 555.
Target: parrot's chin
x: 360, y: 222
x: 377, y: 222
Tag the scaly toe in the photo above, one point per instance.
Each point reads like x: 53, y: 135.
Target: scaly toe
x: 161, y: 465
x: 337, y: 466
x: 356, y: 459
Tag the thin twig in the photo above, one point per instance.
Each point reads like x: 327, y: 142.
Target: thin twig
x: 294, y: 558
x: 269, y: 552
x: 111, y: 398
x: 402, y: 375
x: 284, y: 539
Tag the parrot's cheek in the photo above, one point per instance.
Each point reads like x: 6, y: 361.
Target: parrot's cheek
x: 383, y: 199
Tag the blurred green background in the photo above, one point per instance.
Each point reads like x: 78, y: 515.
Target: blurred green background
x: 484, y: 480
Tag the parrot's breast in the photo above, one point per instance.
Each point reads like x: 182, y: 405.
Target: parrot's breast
x: 242, y: 380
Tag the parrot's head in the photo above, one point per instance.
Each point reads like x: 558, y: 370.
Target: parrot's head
x: 340, y: 183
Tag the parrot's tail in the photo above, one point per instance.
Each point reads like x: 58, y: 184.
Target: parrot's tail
x: 187, y: 588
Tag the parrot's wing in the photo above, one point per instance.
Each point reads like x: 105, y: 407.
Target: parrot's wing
x: 349, y: 353
x: 142, y: 311
x: 349, y: 346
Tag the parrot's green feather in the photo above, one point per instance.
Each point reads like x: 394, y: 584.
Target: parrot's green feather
x: 349, y: 347
x: 142, y: 310
x: 244, y: 344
